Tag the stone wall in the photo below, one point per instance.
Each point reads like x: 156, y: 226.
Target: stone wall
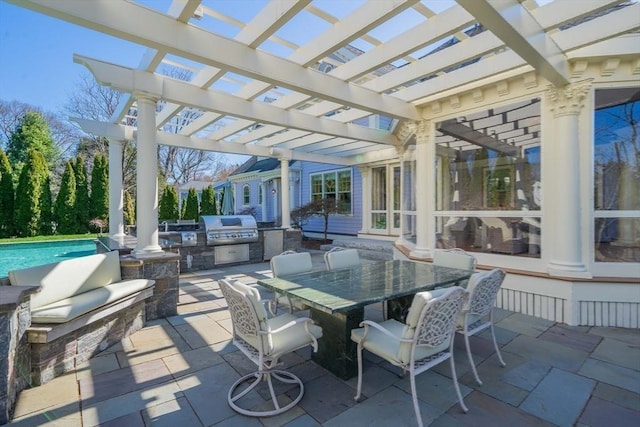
x: 165, y: 270
x: 15, y: 356
x: 62, y: 355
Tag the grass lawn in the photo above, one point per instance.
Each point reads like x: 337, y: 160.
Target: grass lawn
x: 49, y: 238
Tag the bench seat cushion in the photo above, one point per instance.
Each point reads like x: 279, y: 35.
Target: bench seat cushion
x: 65, y: 279
x: 77, y: 305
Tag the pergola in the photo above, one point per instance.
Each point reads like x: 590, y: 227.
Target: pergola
x: 347, y: 83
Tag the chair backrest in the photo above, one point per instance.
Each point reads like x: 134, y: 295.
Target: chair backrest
x: 248, y: 315
x: 483, y: 288
x: 290, y: 262
x: 454, y: 258
x: 341, y: 258
x: 431, y: 320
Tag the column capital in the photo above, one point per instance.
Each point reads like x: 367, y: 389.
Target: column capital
x: 145, y: 97
x: 405, y: 130
x: 364, y: 170
x: 424, y: 128
x: 567, y: 100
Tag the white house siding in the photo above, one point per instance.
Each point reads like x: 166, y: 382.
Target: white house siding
x: 338, y: 224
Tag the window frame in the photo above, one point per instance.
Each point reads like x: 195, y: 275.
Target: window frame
x: 336, y: 192
x: 246, y: 195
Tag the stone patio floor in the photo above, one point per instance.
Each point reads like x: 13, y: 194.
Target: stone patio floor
x: 177, y: 371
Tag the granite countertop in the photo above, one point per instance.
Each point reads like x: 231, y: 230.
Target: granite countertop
x: 12, y: 296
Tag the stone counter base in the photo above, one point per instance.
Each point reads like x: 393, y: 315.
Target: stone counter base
x: 64, y: 354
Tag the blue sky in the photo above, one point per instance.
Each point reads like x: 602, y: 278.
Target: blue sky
x: 37, y: 56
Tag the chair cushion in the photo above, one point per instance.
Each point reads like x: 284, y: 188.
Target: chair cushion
x: 253, y: 295
x: 453, y: 260
x: 392, y: 350
x: 65, y: 279
x: 343, y: 259
x: 283, y: 265
x: 69, y: 308
x: 289, y: 339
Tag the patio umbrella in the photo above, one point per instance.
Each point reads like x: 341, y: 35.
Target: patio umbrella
x: 227, y: 200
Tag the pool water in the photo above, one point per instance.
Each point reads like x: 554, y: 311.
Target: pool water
x: 14, y: 256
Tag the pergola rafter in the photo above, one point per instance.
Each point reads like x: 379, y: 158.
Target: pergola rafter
x: 306, y: 97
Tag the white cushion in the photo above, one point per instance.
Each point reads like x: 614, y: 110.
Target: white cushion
x: 393, y: 350
x: 289, y: 339
x: 453, y: 260
x: 343, y: 259
x: 283, y: 265
x: 65, y: 279
x: 69, y: 308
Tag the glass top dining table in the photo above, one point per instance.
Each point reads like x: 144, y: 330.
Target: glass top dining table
x: 337, y: 298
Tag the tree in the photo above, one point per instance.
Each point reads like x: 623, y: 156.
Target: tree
x: 6, y: 197
x: 319, y: 207
x: 65, y: 207
x: 208, y: 201
x: 191, y: 210
x: 99, y: 195
x: 30, y: 182
x: 65, y: 135
x: 46, y: 209
x: 169, y: 204
x: 82, y: 195
x: 129, y: 209
x: 180, y: 165
x: 32, y: 132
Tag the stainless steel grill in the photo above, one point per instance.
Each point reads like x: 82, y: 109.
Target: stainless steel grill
x: 229, y: 229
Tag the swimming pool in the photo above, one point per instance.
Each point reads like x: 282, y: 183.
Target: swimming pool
x: 14, y: 256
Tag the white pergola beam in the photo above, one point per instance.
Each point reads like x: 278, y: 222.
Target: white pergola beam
x: 180, y: 92
x: 512, y: 23
x: 269, y: 20
x: 357, y: 23
x: 137, y: 24
x: 448, y: 22
x: 110, y: 130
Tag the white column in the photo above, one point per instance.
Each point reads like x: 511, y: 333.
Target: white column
x: 425, y: 188
x: 365, y: 173
x: 561, y: 192
x: 147, y: 180
x: 263, y: 207
x: 116, y: 195
x: 284, y: 197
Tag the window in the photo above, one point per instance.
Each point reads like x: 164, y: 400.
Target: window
x: 246, y: 195
x: 616, y: 157
x: 260, y: 194
x: 334, y: 185
x: 488, y: 180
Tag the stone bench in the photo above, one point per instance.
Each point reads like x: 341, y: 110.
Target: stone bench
x: 83, y: 306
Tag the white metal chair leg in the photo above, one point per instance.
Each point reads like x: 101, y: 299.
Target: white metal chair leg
x: 455, y: 382
x: 414, y: 395
x: 473, y: 365
x: 259, y: 377
x: 495, y: 345
x: 359, y: 389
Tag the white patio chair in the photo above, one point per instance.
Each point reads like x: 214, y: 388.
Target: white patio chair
x: 339, y: 257
x: 454, y: 258
x: 422, y: 343
x: 264, y: 341
x: 286, y: 263
x: 477, y: 315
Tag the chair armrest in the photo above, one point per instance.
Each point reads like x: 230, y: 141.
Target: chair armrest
x: 368, y: 323
x: 288, y: 325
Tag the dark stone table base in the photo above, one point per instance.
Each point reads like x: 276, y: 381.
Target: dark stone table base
x: 336, y: 351
x: 398, y: 308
